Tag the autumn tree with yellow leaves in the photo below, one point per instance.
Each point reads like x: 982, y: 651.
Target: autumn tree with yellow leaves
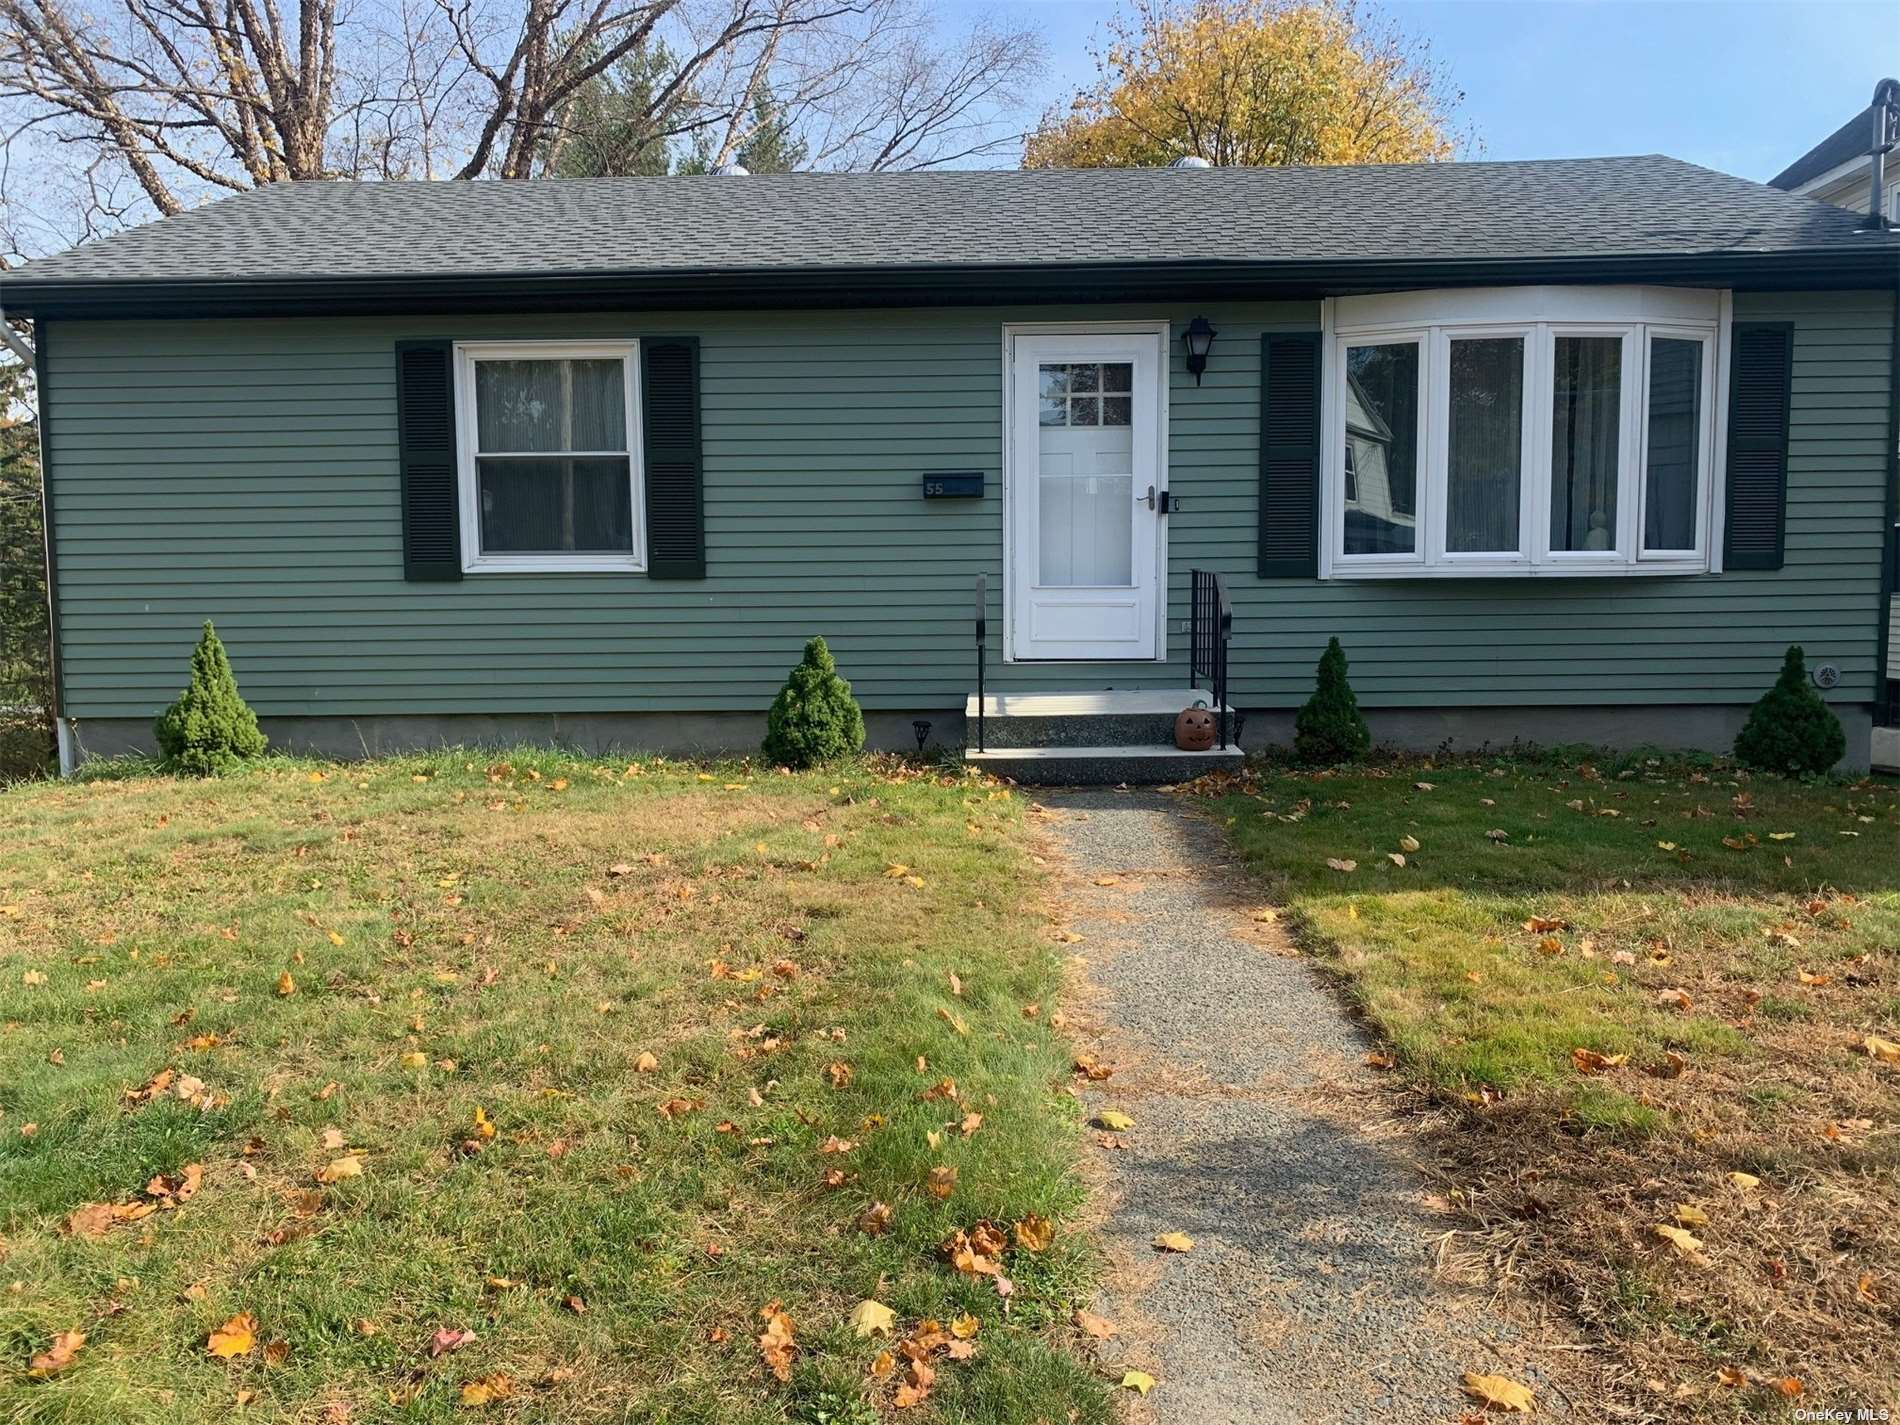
x: 1253, y: 82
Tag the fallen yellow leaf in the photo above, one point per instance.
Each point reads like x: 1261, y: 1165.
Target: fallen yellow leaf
x: 1034, y: 1234
x: 487, y: 1390
x: 1885, y: 1050
x: 1138, y: 1381
x: 346, y: 1167
x: 1498, y: 1390
x: 286, y: 985
x: 1744, y: 1181
x: 1114, y: 1120
x: 1588, y: 1061
x: 235, y: 1338
x: 58, y: 1356
x: 776, y: 1343
x: 1689, y: 1215
x: 1174, y: 1242
x: 872, y: 1318
x: 1685, y: 1243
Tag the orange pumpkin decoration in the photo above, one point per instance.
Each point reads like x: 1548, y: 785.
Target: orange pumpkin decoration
x: 1194, y: 729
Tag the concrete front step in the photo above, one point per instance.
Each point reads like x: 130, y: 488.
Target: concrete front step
x: 1148, y: 765
x: 1136, y: 717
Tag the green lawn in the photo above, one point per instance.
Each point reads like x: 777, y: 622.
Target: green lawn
x: 1738, y: 940
x: 834, y: 975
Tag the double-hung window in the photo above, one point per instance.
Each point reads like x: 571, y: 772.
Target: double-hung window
x: 549, y: 456
x: 1521, y: 431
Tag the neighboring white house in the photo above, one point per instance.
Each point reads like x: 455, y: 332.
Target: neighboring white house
x: 1838, y: 170
x: 1835, y: 170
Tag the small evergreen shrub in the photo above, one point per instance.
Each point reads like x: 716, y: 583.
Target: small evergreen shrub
x: 1329, y: 728
x: 814, y: 718
x: 1791, y: 730
x: 210, y: 728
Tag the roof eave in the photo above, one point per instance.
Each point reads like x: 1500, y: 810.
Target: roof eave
x: 931, y: 284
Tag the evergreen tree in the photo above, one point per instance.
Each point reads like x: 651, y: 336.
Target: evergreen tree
x: 770, y: 145
x: 1329, y: 728
x: 814, y: 718
x: 611, y: 129
x: 1791, y: 730
x: 210, y: 728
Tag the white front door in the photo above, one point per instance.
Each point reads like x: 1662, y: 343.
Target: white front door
x: 1086, y: 478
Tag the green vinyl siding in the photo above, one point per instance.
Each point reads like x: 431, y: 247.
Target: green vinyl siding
x: 245, y: 471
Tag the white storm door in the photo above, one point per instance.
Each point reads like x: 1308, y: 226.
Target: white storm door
x: 1086, y: 481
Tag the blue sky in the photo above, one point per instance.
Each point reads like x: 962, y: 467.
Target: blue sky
x: 1741, y: 87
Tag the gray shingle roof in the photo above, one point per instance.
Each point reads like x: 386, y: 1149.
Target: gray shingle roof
x: 1569, y: 208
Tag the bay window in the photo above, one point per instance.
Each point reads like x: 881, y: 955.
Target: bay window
x: 1553, y: 431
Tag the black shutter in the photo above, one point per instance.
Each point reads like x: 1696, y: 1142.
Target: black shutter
x: 1289, y: 455
x: 676, y: 519
x: 425, y: 442
x: 1761, y: 369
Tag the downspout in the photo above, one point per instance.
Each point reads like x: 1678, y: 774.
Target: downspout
x: 1885, y: 109
x: 1890, y: 541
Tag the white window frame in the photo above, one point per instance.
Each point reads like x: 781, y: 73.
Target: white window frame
x: 1334, y: 447
x: 1435, y: 478
x: 1629, y: 463
x: 1705, y: 449
x: 1539, y: 315
x: 474, y: 560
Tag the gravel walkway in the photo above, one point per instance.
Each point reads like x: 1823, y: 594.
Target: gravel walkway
x: 1260, y: 1133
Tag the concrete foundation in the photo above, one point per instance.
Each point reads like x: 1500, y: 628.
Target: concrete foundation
x: 1887, y: 749
x: 1469, y: 730
x: 1456, y: 730
x: 591, y: 734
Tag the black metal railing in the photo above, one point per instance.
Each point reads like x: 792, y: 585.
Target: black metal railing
x: 1210, y: 630
x: 982, y: 637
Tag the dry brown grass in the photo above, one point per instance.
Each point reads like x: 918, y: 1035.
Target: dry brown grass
x: 1775, y: 909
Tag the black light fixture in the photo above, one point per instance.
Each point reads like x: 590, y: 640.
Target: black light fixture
x: 1199, y: 339
x: 922, y: 728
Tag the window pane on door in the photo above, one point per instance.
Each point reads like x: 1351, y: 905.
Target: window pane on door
x: 1085, y: 483
x: 551, y: 504
x: 1585, y: 438
x: 1674, y: 456
x: 1382, y: 434
x: 1486, y: 446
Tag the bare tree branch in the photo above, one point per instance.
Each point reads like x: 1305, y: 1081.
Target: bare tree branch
x: 192, y: 98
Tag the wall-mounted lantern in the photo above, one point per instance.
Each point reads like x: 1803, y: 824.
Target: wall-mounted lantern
x: 1199, y: 339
